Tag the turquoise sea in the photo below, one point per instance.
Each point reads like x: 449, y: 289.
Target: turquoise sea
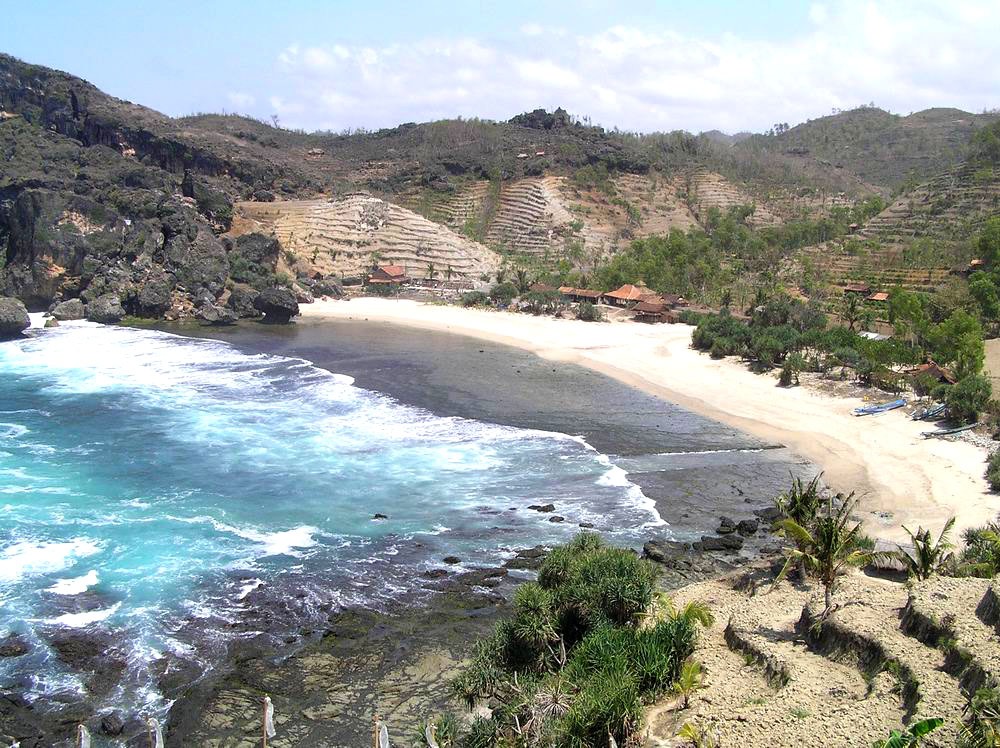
x: 175, y: 493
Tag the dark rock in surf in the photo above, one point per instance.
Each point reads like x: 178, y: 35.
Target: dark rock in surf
x: 112, y: 724
x: 13, y: 318
x: 379, y: 515
x: 106, y: 309
x: 71, y: 309
x: 557, y: 518
x: 769, y: 514
x: 277, y: 304
x: 723, y: 543
x: 51, y: 322
x: 13, y: 646
x: 543, y: 507
x: 726, y: 526
x: 663, y: 551
x: 452, y: 560
x: 587, y: 525
x: 747, y: 527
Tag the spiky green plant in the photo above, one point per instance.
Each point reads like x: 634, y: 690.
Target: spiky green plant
x: 929, y: 557
x: 690, y: 680
x: 914, y: 736
x: 981, y: 728
x: 828, y: 549
x: 981, y: 556
x: 802, y: 501
x: 698, y: 736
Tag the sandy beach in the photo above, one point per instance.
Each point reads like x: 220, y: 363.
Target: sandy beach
x: 900, y: 478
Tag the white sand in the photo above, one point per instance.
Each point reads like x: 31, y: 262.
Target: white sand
x: 882, y: 458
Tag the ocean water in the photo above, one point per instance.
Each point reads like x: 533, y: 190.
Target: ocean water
x: 177, y: 493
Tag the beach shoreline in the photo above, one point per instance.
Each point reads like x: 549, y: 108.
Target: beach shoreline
x: 900, y: 478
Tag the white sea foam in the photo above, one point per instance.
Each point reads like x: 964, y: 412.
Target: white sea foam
x: 12, y: 430
x: 76, y: 585
x: 249, y: 587
x: 28, y: 558
x: 76, y: 620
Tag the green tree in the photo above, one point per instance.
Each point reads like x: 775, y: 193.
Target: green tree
x: 984, y: 291
x: 431, y: 271
x: 850, y: 310
x: 968, y: 398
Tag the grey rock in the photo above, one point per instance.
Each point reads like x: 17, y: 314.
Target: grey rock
x: 724, y: 543
x: 51, y: 322
x: 112, y: 723
x: 747, y: 527
x: 217, y: 315
x: 13, y: 646
x: 241, y: 300
x: 769, y: 514
x: 71, y: 309
x: 663, y: 550
x: 106, y: 309
x: 277, y: 304
x: 13, y: 318
x: 302, y: 295
x: 556, y: 518
x: 543, y: 507
x: 155, y: 296
x: 726, y: 526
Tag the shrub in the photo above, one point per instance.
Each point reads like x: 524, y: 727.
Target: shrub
x: 968, y: 398
x: 475, y: 298
x: 503, y: 293
x: 993, y: 470
x: 589, y: 312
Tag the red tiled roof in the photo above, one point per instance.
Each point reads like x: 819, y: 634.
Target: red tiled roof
x: 879, y: 296
x: 393, y: 270
x: 628, y: 292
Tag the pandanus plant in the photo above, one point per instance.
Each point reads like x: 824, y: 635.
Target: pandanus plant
x: 929, y: 557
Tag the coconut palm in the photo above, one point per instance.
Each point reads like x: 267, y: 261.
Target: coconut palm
x: 828, y: 549
x: 689, y: 680
x: 698, y: 736
x: 982, y: 720
x: 431, y: 271
x: 928, y: 557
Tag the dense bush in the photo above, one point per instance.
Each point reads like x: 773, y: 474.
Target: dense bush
x: 588, y: 312
x: 967, y: 398
x: 503, y: 293
x: 993, y: 470
x: 475, y: 298
x: 573, y: 662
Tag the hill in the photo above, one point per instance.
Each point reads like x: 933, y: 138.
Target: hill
x: 884, y: 149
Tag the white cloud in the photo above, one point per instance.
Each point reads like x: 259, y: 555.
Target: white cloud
x: 903, y: 55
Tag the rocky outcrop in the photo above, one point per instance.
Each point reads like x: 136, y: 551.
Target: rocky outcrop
x: 13, y: 318
x: 241, y: 300
x: 106, y: 309
x: 72, y: 309
x: 277, y: 304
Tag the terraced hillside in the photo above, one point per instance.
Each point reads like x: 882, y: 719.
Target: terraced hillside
x: 885, y: 658
x: 943, y: 213
x: 347, y: 235
x: 707, y: 190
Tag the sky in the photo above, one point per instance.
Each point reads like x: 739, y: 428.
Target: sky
x: 647, y: 65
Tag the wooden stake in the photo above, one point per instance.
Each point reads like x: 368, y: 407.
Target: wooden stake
x: 375, y: 731
x: 263, y: 722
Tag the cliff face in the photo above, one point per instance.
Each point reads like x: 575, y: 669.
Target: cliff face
x: 100, y: 196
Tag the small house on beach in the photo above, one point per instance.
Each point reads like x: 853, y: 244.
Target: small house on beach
x: 393, y: 275
x: 934, y: 370
x: 626, y: 295
x: 651, y: 310
x: 580, y: 294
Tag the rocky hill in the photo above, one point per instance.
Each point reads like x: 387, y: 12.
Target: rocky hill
x: 102, y: 196
x: 883, y: 149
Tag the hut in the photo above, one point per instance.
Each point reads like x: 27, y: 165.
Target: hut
x: 391, y: 275
x: 932, y: 369
x: 541, y: 288
x: 862, y: 289
x: 879, y: 297
x: 650, y: 311
x: 580, y: 294
x: 626, y: 295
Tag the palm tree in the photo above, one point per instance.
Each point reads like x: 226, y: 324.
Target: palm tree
x: 523, y: 284
x: 698, y: 736
x: 689, y: 680
x: 929, y: 557
x: 431, y: 271
x: 982, y: 719
x: 912, y: 737
x: 828, y: 550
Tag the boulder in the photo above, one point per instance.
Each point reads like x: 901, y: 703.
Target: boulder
x: 13, y: 318
x: 216, y: 315
x: 327, y: 288
x: 302, y: 294
x: 747, y: 527
x: 277, y: 304
x: 726, y: 526
x: 71, y: 309
x: 155, y: 296
x: 51, y: 322
x: 106, y: 309
x: 543, y: 507
x: 112, y: 723
x: 769, y: 514
x: 662, y: 551
x: 241, y: 300
x: 13, y: 646
x: 556, y: 518
x: 723, y: 543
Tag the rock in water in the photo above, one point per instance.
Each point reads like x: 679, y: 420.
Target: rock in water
x: 69, y: 310
x: 217, y: 315
x: 52, y: 322
x: 277, y: 304
x: 13, y: 318
x: 106, y: 309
